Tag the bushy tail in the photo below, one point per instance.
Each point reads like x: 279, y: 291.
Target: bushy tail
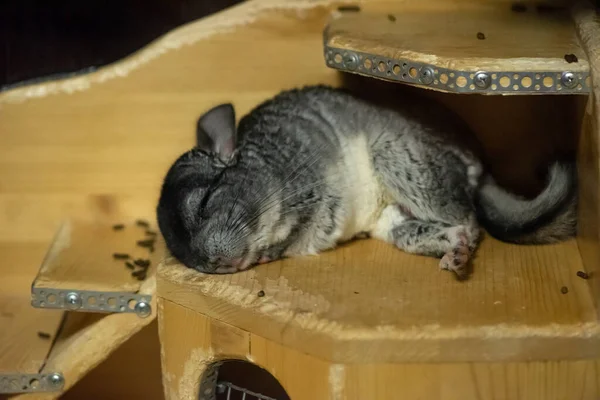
x: 550, y: 217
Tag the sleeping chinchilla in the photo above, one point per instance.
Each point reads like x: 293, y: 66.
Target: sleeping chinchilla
x: 317, y: 166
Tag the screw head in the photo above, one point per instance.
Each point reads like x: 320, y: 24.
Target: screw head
x: 142, y: 309
x: 73, y: 301
x: 350, y: 61
x: 426, y: 75
x: 55, y: 380
x: 482, y: 80
x: 569, y: 80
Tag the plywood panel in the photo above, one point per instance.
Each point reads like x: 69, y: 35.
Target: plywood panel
x: 370, y: 302
x: 88, y: 256
x: 513, y: 41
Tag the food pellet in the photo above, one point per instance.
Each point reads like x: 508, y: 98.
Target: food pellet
x: 582, y: 275
x: 391, y: 17
x: 145, y: 243
x: 43, y: 335
x: 261, y: 293
x: 129, y: 265
x: 571, y: 58
x: 121, y: 256
x: 150, y: 233
x: 118, y: 227
x: 142, y: 223
x: 564, y: 290
x: 351, y: 8
x: 142, y: 263
x: 480, y: 36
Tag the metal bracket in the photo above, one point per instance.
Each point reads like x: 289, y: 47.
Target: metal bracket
x: 29, y: 383
x: 92, y: 301
x: 407, y: 71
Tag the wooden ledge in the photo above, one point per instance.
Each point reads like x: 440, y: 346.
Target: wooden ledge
x: 369, y: 302
x: 522, y: 52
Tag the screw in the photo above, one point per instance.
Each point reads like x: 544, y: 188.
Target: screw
x: 482, y: 80
x: 142, y: 309
x: 350, y: 61
x: 426, y: 75
x: 569, y: 80
x: 55, y: 380
x: 73, y: 301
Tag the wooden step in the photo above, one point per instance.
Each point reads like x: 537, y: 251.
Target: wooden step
x: 47, y: 334
x: 498, y: 49
x: 368, y: 302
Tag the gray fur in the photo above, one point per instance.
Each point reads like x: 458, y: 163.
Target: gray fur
x: 317, y: 166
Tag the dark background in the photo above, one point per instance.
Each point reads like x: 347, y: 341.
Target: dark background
x: 42, y: 39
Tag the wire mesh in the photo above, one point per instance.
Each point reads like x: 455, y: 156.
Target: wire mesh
x: 234, y: 392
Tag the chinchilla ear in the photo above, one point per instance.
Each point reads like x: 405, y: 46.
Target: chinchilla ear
x: 215, y: 131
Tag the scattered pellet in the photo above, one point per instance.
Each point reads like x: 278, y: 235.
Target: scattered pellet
x: 145, y: 243
x: 582, y: 275
x: 140, y: 275
x: 261, y: 293
x: 518, y: 7
x: 391, y: 17
x: 150, y: 233
x: 142, y: 263
x: 571, y: 58
x: 121, y: 256
x: 44, y: 335
x: 564, y: 290
x: 129, y: 265
x: 118, y: 227
x: 356, y: 293
x: 142, y: 223
x: 349, y: 8
x: 480, y: 36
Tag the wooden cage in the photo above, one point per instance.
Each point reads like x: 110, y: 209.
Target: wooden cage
x: 364, y: 321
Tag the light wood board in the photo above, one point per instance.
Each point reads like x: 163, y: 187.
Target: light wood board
x: 82, y: 257
x: 370, y: 302
x: 589, y: 152
x: 514, y: 41
x: 188, y: 353
x: 22, y: 350
x: 87, y: 339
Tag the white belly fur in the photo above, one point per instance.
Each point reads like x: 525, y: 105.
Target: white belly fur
x: 364, y: 199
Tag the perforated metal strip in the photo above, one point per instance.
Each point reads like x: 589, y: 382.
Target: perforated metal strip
x: 522, y: 82
x: 27, y: 383
x: 92, y: 301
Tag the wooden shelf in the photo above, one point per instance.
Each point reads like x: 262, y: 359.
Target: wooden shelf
x: 80, y: 258
x: 523, y: 52
x: 370, y: 302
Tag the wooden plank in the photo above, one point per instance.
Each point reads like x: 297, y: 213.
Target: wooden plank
x: 514, y: 41
x: 188, y: 353
x: 26, y: 334
x: 82, y: 257
x: 370, y: 302
x: 550, y: 380
x: 589, y: 153
x: 87, y: 339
